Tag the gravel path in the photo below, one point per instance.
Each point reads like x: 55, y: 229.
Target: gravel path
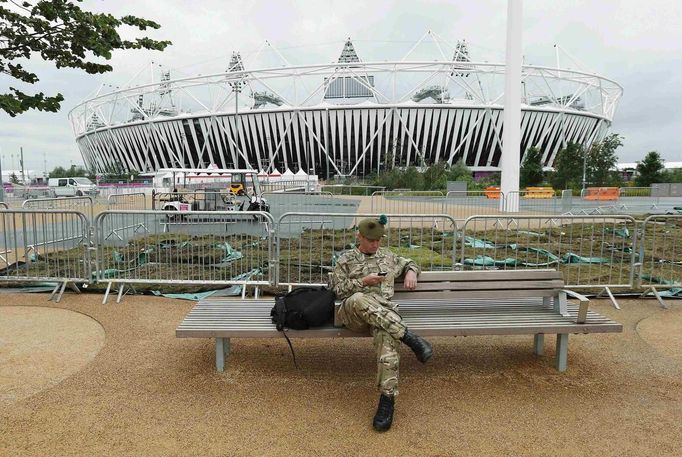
x: 148, y: 393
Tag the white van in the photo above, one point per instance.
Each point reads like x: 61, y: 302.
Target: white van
x: 72, y: 187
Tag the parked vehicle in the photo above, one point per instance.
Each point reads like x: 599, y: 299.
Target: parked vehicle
x: 72, y: 187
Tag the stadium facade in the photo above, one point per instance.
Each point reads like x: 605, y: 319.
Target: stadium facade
x: 349, y: 117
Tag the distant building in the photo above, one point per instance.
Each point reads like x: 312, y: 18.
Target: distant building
x: 628, y: 170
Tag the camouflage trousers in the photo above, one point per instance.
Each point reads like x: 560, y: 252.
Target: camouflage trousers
x: 361, y: 312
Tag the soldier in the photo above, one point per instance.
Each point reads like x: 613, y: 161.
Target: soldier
x: 363, y: 279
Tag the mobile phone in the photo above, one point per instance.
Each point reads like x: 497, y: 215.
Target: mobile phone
x: 382, y: 273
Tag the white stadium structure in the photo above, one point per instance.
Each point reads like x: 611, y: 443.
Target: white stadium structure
x: 349, y: 117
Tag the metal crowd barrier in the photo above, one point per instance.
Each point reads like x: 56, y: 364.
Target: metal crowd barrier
x: 4, y: 205
x: 352, y: 189
x: 660, y: 255
x: 462, y: 204
x: 130, y: 201
x: 527, y: 205
x: 84, y: 204
x: 407, y: 202
x: 591, y: 251
x: 308, y: 202
x: 298, y: 200
x: 302, y: 185
x: 198, y: 247
x: 638, y: 200
x: 44, y: 245
x: 308, y: 244
x: 107, y: 191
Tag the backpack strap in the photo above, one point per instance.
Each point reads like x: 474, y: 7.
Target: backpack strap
x: 280, y: 322
x: 293, y: 354
x: 280, y: 313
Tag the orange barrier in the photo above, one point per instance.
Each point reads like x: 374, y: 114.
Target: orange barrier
x: 539, y: 192
x: 492, y: 192
x: 601, y: 193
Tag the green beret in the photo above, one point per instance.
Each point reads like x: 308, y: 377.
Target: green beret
x: 371, y: 228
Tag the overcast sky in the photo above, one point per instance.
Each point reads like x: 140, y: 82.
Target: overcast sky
x: 636, y: 43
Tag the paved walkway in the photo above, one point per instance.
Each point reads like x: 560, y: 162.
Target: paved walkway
x: 146, y: 392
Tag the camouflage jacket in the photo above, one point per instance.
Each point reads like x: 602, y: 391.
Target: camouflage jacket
x: 354, y: 265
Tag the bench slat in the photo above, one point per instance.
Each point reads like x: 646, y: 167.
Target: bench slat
x: 488, y: 275
x: 495, y: 294
x: 534, y: 317
x: 487, y: 285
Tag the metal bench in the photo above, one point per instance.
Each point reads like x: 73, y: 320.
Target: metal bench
x: 532, y: 302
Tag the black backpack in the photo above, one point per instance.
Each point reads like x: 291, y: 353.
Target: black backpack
x: 303, y: 308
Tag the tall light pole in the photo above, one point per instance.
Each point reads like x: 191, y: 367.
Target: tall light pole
x: 21, y: 161
x: 584, y: 169
x: 2, y: 181
x: 236, y: 65
x: 511, y: 136
x: 237, y: 88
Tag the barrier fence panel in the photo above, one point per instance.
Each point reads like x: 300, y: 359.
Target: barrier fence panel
x: 638, y: 200
x: 201, y: 248
x: 308, y: 244
x: 660, y: 253
x: 130, y: 201
x: 462, y: 204
x: 106, y: 191
x: 301, y: 185
x: 307, y: 202
x: 408, y: 202
x: 591, y: 251
x: 44, y: 245
x: 533, y: 203
x: 82, y: 204
x: 352, y: 189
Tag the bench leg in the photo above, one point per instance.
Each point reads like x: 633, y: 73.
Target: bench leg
x: 561, y: 351
x: 222, y: 350
x: 539, y: 343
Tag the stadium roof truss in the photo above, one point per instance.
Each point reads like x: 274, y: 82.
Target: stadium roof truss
x: 346, y: 117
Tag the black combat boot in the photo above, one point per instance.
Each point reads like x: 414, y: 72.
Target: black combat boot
x: 421, y: 348
x: 384, y: 416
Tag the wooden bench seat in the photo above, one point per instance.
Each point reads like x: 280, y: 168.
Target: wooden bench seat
x: 444, y: 304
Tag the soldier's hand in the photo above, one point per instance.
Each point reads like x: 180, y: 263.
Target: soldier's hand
x: 410, y: 280
x: 373, y: 280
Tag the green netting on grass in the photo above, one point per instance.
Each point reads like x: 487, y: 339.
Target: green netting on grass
x: 226, y: 292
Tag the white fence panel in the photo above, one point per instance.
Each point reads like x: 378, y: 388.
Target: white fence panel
x: 44, y: 245
x: 591, y: 251
x: 308, y: 244
x: 199, y: 247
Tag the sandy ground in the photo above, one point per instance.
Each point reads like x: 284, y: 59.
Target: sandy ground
x: 148, y: 393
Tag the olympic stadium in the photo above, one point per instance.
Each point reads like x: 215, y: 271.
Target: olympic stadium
x: 349, y: 117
